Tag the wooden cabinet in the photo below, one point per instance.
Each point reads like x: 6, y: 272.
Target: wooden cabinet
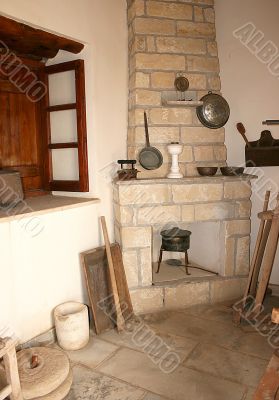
x: 25, y: 129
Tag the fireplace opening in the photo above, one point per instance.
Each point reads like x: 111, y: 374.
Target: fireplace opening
x: 188, y: 252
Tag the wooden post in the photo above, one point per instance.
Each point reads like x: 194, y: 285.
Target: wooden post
x: 8, y: 353
x: 120, y: 322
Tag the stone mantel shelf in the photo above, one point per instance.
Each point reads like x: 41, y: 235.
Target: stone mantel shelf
x: 190, y: 180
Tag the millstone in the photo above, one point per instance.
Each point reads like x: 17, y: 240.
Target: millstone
x: 52, y: 370
x: 61, y: 392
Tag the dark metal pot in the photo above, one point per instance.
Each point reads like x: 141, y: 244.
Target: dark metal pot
x: 215, y: 111
x: 176, y: 239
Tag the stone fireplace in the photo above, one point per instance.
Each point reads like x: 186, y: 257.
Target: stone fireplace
x: 143, y: 207
x: 167, y: 39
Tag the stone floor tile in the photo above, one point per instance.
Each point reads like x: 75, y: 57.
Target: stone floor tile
x: 253, y: 344
x: 89, y: 385
x: 249, y: 394
x: 136, y: 368
x: 93, y: 354
x: 219, y: 313
x: 159, y: 342
x: 197, y: 329
x: 151, y: 396
x: 227, y: 364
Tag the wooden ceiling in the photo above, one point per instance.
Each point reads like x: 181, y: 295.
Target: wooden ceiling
x: 27, y: 41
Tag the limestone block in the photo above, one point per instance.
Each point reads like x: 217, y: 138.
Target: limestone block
x: 237, y: 190
x: 146, y: 267
x: 197, y: 192
x: 126, y: 215
x: 136, y: 9
x: 181, y: 45
x: 157, y: 134
x: 214, y: 82
x: 243, y: 208
x: 138, y: 44
x: 211, y: 211
x: 198, y: 14
x: 224, y: 290
x: 196, y: 81
x: 147, y: 97
x: 187, y: 295
x: 203, y: 64
x: 147, y: 300
x: 143, y: 194
x: 139, y: 80
x: 202, y: 135
x: 150, y: 43
x: 187, y: 154
x: 168, y: 116
x: 209, y: 14
x: 188, y: 213
x: 203, y: 153
x: 165, y: 62
x: 152, y: 26
x: 195, y: 29
x: 238, y: 227
x: 171, y: 10
x: 229, y: 256
x: 212, y: 48
x: 130, y: 261
x: 158, y: 214
x: 243, y: 256
x: 162, y: 80
x: 135, y: 237
x: 220, y: 153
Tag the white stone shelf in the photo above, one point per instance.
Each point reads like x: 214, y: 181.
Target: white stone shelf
x: 35, y: 206
x: 189, y: 179
x: 183, y: 103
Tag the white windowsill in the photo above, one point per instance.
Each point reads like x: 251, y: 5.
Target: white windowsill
x: 43, y: 205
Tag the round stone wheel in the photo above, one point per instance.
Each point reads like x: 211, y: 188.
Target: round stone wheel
x: 61, y: 392
x: 52, y: 370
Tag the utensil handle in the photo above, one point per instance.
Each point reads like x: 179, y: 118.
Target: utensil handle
x: 146, y: 130
x: 271, y: 122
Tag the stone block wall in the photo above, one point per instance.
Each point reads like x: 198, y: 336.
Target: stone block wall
x: 168, y: 39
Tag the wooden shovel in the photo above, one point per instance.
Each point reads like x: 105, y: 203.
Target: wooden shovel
x: 120, y: 322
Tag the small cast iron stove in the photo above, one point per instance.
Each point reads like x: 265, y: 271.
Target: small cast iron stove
x: 177, y: 240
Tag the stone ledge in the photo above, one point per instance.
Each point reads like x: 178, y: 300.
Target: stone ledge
x: 180, y: 295
x: 188, y: 180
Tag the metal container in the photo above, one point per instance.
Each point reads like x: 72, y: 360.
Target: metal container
x: 176, y: 239
x: 11, y: 192
x: 215, y: 111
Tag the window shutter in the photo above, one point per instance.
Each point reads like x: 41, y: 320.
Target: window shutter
x: 80, y: 145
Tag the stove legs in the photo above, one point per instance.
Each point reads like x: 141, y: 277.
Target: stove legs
x: 160, y: 261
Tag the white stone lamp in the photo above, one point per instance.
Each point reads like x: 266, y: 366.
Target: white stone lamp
x: 175, y: 149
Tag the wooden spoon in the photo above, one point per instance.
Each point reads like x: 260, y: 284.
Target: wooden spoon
x: 241, y: 129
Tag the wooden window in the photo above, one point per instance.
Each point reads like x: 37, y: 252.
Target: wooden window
x: 69, y: 149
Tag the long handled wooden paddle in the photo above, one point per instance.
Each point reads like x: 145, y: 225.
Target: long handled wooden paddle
x: 120, y: 322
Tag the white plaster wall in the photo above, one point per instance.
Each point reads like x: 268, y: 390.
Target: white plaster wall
x: 251, y: 90
x: 37, y: 274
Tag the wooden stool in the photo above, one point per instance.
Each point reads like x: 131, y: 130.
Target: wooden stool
x: 8, y: 353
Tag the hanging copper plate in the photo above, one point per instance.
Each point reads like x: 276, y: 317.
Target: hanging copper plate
x: 181, y: 84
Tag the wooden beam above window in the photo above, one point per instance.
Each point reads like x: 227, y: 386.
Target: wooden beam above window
x: 26, y: 40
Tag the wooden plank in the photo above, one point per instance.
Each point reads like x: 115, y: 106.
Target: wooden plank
x: 69, y: 145
x: 268, y: 388
x: 62, y: 107
x: 121, y: 281
x: 120, y: 322
x: 95, y: 268
x: 5, y: 392
x: 24, y: 39
x: 11, y: 369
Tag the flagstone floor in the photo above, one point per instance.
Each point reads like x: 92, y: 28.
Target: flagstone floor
x: 195, y: 354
